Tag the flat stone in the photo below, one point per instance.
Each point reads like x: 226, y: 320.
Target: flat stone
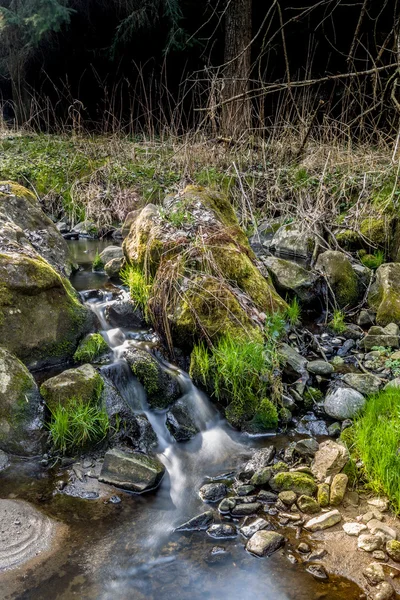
x: 307, y: 447
x: 329, y: 460
x: 222, y: 530
x: 242, y: 510
x: 372, y: 514
x: 343, y: 403
x: 354, y: 529
x: 266, y: 496
x: 198, y: 523
x: 265, y: 543
x: 293, y: 359
x: 287, y: 498
x: 365, y: 383
x: 369, y: 542
x: 261, y: 458
x: 324, y: 521
x: 213, y: 492
x: 376, y: 526
x: 379, y: 503
x: 320, y: 367
x: 135, y: 471
x: 253, y: 527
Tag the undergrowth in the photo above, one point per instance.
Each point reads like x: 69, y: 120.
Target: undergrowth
x: 338, y: 321
x: 77, y: 425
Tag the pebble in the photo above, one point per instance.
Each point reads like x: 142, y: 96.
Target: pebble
x: 354, y: 529
x: 379, y: 503
x: 222, y: 531
x: 252, y: 528
x: 369, y: 542
x: 318, y: 572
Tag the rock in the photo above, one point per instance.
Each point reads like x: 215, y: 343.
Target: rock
x: 318, y: 572
x: 180, y: 423
x: 304, y: 548
x: 110, y: 253
x: 162, y: 389
x: 113, y: 267
x: 83, y: 382
x: 354, y: 529
x: 343, y: 403
x: 291, y: 241
x: 262, y: 476
x: 345, y: 349
x: 329, y: 460
x: 217, y: 556
x: 226, y: 505
x: 293, y: 359
x: 287, y: 498
x: 340, y: 276
x: 307, y: 447
x: 366, y: 318
x: 323, y: 495
x: 393, y: 549
x: 4, y: 461
x: 21, y: 410
x: 134, y: 471
x: 310, y: 425
x: 299, y: 483
x: 377, y: 527
x: 334, y: 430
x: 253, y: 527
x: 213, y: 492
x: 222, y: 531
x: 384, y: 295
x: 372, y: 514
x: 85, y: 228
x: 25, y: 533
x: 290, y: 277
x: 378, y: 503
x: 123, y: 313
x: 266, y: 496
x: 374, y: 573
x: 245, y: 490
x: 364, y: 383
x: 393, y: 384
x: 320, y: 367
x: 308, y: 505
x: 324, y: 521
x: 265, y: 543
x: 243, y: 510
x: 198, y: 523
x: 338, y: 489
x: 369, y: 542
x: 379, y: 555
x: 261, y: 458
x: 62, y: 227
x: 381, y: 336
x: 383, y: 591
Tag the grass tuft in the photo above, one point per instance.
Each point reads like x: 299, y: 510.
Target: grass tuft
x: 373, y: 261
x: 293, y: 312
x: 139, y: 288
x: 338, y: 321
x: 97, y: 264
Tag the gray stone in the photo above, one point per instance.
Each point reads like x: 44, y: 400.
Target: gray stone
x: 134, y: 471
x: 180, y: 422
x: 293, y: 359
x: 364, y: 383
x: 343, y: 403
x: 265, y: 543
x: 4, y: 460
x: 376, y: 526
x: 345, y: 349
x: 288, y: 497
x: 366, y: 318
x: 123, y: 313
x: 340, y: 275
x: 383, y: 591
x: 222, y: 531
x: 261, y: 458
x: 354, y: 529
x: 320, y: 367
x: 374, y: 573
x: 213, y: 492
x: 324, y: 521
x: 253, y: 527
x: 289, y: 277
x: 369, y: 542
x: 198, y: 523
x: 226, y: 505
x: 318, y: 572
x: 110, y: 253
x: 242, y: 510
x: 113, y: 267
x: 329, y: 460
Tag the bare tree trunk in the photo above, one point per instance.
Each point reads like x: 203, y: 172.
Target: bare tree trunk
x: 236, y: 115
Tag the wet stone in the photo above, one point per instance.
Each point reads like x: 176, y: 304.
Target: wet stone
x: 265, y: 543
x: 222, y: 530
x: 324, y: 521
x: 307, y: 447
x: 198, y: 523
x: 217, y: 555
x: 4, y: 460
x: 266, y: 496
x: 242, y: 510
x: 262, y: 476
x: 261, y: 458
x: 308, y: 505
x: 304, y: 548
x: 245, y: 490
x: 226, y: 505
x: 318, y: 572
x: 253, y: 527
x: 213, y: 492
x: 287, y: 498
x: 320, y: 367
x: 132, y: 471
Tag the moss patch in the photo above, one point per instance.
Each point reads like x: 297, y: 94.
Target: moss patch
x: 83, y: 383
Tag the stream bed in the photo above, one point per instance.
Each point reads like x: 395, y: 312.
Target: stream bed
x: 127, y: 548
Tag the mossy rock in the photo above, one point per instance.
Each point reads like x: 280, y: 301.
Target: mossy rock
x: 384, y: 295
x: 83, y: 383
x: 21, y: 409
x: 300, y: 483
x: 323, y: 495
x: 376, y: 230
x: 291, y: 278
x: 340, y: 276
x: 41, y: 317
x: 162, y: 389
x: 91, y: 348
x: 348, y: 239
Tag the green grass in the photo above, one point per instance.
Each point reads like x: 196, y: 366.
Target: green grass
x: 373, y: 261
x: 91, y: 347
x: 97, y: 264
x: 77, y: 426
x: 338, y: 321
x: 293, y: 312
x: 139, y: 289
x: 376, y: 437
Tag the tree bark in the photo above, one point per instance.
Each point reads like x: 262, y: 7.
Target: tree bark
x: 236, y: 115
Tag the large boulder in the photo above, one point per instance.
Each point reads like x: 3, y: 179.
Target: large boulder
x: 343, y: 403
x: 21, y: 408
x: 201, y: 266
x: 384, y: 295
x: 329, y: 459
x: 382, y: 336
x: 131, y: 471
x: 340, y: 275
x: 290, y: 277
x: 291, y: 241
x: 365, y: 383
x: 83, y: 383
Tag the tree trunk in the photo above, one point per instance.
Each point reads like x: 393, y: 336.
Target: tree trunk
x: 236, y: 114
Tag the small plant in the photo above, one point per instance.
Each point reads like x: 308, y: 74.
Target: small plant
x: 177, y: 217
x: 97, y: 264
x: 373, y: 261
x: 77, y: 425
x: 293, y: 312
x: 394, y: 365
x: 200, y: 363
x: 266, y: 415
x: 338, y: 321
x: 91, y: 347
x: 139, y: 289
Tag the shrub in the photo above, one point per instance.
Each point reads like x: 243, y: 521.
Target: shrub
x: 77, y: 425
x: 91, y: 347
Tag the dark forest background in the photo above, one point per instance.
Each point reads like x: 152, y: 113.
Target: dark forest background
x: 226, y: 66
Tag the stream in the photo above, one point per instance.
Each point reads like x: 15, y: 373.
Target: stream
x: 129, y: 549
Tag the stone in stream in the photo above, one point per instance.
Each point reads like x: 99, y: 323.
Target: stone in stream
x: 213, y: 492
x: 308, y: 505
x: 21, y: 409
x: 354, y: 529
x: 226, y: 505
x: 110, y: 253
x: 320, y: 367
x: 289, y: 276
x: 324, y: 521
x: 300, y: 483
x: 262, y: 476
x: 253, y: 527
x: 307, y: 447
x: 25, y: 533
x: 393, y: 549
x: 135, y: 472
x: 4, y: 460
x: 123, y: 313
x: 287, y: 497
x: 318, y: 572
x: 267, y: 496
x: 292, y: 359
x: 260, y: 459
x: 180, y: 423
x: 365, y: 383
x: 340, y: 275
x: 198, y: 523
x: 222, y: 531
x: 265, y: 543
x: 338, y: 489
x: 243, y: 510
x: 343, y: 403
x: 83, y: 382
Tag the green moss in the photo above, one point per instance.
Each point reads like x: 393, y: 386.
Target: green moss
x: 266, y: 415
x: 311, y: 396
x: 349, y: 239
x: 300, y: 483
x: 90, y: 348
x: 147, y: 372
x: 82, y: 383
x: 376, y: 230
x: 323, y: 495
x: 19, y: 191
